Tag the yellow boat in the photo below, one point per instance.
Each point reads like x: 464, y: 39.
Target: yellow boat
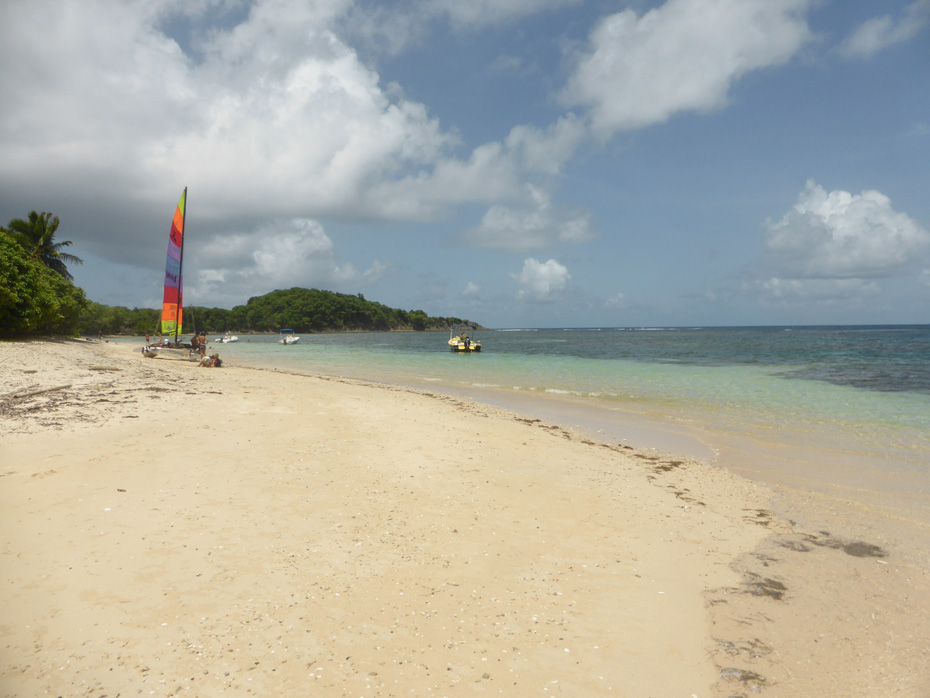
x: 462, y: 342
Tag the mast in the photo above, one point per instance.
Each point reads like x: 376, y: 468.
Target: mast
x: 177, y: 327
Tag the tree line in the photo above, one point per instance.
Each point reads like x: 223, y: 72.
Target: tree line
x: 304, y: 310
x: 37, y: 296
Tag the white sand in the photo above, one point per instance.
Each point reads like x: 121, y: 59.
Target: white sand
x: 169, y: 530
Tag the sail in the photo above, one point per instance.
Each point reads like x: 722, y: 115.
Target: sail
x: 172, y: 308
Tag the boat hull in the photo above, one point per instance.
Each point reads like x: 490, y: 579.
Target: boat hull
x: 463, y: 348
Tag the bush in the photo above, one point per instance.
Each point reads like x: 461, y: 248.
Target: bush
x: 33, y: 298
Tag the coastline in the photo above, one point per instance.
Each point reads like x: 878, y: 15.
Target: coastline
x: 177, y: 529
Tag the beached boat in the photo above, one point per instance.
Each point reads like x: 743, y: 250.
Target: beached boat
x: 459, y: 341
x: 173, y: 299
x: 287, y: 337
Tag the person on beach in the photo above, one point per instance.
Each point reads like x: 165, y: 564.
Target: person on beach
x: 212, y: 361
x: 146, y: 337
x: 195, y: 343
x: 202, y: 341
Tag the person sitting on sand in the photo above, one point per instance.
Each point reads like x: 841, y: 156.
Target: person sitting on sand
x: 212, y: 361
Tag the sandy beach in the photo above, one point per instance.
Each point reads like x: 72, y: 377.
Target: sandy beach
x: 170, y: 530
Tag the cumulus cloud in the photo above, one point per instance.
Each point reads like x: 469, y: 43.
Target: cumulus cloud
x: 535, y: 225
x: 545, y: 151
x: 837, y: 244
x: 471, y: 290
x: 843, y: 235
x: 265, y: 112
x: 681, y: 56
x: 879, y: 33
x: 285, y: 253
x: 542, y: 281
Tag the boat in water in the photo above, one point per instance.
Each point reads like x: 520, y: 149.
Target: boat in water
x: 227, y: 339
x: 461, y: 342
x: 288, y: 337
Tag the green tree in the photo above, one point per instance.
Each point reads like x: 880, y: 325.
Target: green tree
x: 37, y: 235
x: 33, y: 299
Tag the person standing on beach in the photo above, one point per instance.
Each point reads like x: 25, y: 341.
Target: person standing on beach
x: 203, y: 344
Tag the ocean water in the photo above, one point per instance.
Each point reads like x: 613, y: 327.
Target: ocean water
x: 840, y: 414
x: 873, y: 377
x: 877, y: 375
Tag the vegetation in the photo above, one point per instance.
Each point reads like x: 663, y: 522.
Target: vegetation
x: 37, y: 235
x: 37, y: 296
x: 36, y: 293
x: 300, y: 309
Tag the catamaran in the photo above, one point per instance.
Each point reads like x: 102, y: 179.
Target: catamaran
x: 172, y: 305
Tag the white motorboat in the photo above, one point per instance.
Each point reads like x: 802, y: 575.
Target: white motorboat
x: 288, y: 337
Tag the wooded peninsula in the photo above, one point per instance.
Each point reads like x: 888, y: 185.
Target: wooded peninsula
x: 38, y: 297
x: 303, y: 310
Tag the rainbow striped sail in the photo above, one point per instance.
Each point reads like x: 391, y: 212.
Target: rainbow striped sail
x: 171, y: 311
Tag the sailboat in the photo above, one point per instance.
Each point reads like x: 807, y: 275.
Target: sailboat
x: 172, y: 306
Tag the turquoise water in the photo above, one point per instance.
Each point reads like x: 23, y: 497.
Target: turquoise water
x: 868, y: 387
x: 879, y: 375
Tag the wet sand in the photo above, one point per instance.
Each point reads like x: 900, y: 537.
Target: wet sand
x: 170, y: 530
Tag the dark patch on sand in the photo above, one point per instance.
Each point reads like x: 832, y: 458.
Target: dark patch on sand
x: 795, y: 545
x: 749, y: 679
x: 764, y: 586
x: 856, y: 548
x: 762, y: 517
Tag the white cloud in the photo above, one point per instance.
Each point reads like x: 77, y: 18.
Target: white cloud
x: 272, y: 116
x: 836, y: 246
x: 879, y: 33
x: 535, y: 225
x: 681, y: 56
x: 839, y: 235
x: 282, y: 254
x: 546, y: 151
x: 542, y: 281
x: 471, y: 289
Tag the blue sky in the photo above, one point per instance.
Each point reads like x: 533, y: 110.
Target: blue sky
x: 522, y: 163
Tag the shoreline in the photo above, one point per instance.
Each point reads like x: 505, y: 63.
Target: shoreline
x: 318, y: 529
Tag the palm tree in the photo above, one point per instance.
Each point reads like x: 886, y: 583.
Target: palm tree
x: 37, y: 235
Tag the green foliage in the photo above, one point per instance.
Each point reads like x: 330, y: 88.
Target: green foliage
x: 313, y: 310
x: 300, y: 309
x: 33, y: 298
x: 37, y: 235
x: 106, y: 319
